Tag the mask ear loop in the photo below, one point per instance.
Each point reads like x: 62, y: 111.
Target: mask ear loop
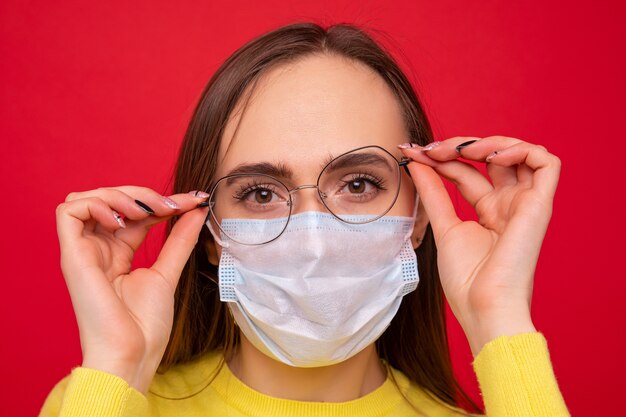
x: 209, y: 224
x: 413, y: 217
x: 417, y: 200
x: 405, y: 161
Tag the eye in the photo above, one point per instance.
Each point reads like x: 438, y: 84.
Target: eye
x: 361, y: 184
x: 356, y: 186
x: 258, y: 194
x: 262, y: 196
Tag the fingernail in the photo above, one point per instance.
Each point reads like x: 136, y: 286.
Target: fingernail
x: 197, y: 193
x: 490, y: 156
x: 170, y: 203
x: 465, y: 145
x: 144, y: 207
x: 408, y: 145
x: 431, y: 146
x: 205, y: 203
x: 119, y: 219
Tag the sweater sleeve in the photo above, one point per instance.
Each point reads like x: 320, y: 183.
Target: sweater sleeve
x: 89, y: 392
x: 516, y: 377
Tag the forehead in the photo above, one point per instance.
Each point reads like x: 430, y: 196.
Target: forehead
x: 301, y: 113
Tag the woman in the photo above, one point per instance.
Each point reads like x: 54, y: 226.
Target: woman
x: 317, y: 286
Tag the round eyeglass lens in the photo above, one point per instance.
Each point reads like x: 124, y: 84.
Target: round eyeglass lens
x: 250, y: 209
x: 361, y: 185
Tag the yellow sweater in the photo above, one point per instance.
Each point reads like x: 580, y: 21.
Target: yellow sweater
x: 514, y: 373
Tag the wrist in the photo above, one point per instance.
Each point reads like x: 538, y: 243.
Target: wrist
x: 484, y: 328
x: 129, y: 372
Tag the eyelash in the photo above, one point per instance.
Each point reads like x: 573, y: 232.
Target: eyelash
x: 373, y: 179
x: 245, y: 190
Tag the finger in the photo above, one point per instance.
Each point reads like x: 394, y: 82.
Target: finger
x: 72, y: 216
x: 502, y: 176
x: 89, y: 212
x: 445, y: 150
x: 524, y: 174
x: 546, y: 167
x: 102, y: 209
x: 470, y: 182
x: 179, y: 244
x: 181, y: 201
x: 150, y: 202
x: 195, y: 195
x: 185, y: 202
x: 434, y: 196
x: 478, y: 149
x: 136, y: 231
x: 468, y: 147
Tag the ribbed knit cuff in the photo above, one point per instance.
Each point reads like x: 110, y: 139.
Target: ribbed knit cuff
x: 516, y: 377
x: 99, y: 394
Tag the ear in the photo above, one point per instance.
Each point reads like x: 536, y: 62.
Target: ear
x: 421, y: 222
x: 213, y: 251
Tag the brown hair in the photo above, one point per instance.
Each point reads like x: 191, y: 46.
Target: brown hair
x: 416, y: 341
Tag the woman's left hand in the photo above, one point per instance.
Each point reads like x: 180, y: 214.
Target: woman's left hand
x: 487, y: 267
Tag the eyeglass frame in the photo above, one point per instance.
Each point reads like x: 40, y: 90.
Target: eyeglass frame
x: 403, y: 162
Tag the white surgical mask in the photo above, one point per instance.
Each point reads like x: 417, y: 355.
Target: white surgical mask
x: 322, y: 291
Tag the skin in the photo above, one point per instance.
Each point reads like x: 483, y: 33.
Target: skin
x: 486, y: 267
x: 339, y: 106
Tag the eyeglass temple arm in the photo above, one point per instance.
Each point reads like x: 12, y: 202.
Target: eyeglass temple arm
x: 205, y: 203
x: 403, y: 163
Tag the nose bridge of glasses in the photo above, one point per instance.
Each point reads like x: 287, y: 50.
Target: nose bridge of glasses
x: 303, y: 203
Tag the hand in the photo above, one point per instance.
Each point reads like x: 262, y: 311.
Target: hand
x: 124, y: 317
x: 487, y: 267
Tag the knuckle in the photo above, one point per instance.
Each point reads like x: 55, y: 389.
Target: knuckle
x: 60, y: 208
x: 71, y: 196
x: 108, y: 189
x: 111, y: 193
x: 145, y: 190
x: 186, y: 240
x: 502, y: 138
x: 104, y: 191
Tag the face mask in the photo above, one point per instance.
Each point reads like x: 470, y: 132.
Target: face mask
x: 323, y: 290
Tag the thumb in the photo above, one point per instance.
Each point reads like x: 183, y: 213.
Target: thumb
x: 435, y: 197
x: 179, y: 244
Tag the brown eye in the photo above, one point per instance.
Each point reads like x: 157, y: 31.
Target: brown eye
x: 263, y: 196
x: 356, y: 186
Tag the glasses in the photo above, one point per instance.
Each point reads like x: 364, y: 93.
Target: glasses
x: 358, y: 186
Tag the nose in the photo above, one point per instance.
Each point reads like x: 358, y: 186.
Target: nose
x: 306, y: 198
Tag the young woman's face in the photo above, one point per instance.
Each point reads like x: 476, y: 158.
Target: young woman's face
x: 302, y: 113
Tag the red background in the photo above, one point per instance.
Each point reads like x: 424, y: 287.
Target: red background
x: 99, y: 95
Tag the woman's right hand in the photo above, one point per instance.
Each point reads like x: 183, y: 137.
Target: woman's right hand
x: 124, y: 317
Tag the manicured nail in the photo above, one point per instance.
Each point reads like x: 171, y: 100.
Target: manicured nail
x: 197, y: 193
x: 144, y: 207
x: 119, y: 219
x: 408, y: 145
x: 490, y: 156
x: 205, y: 203
x: 465, y: 145
x: 431, y: 146
x: 170, y: 203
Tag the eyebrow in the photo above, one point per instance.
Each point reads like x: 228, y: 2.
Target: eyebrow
x: 280, y: 170
x: 355, y: 159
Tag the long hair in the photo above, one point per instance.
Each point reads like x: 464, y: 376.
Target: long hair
x: 416, y: 341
